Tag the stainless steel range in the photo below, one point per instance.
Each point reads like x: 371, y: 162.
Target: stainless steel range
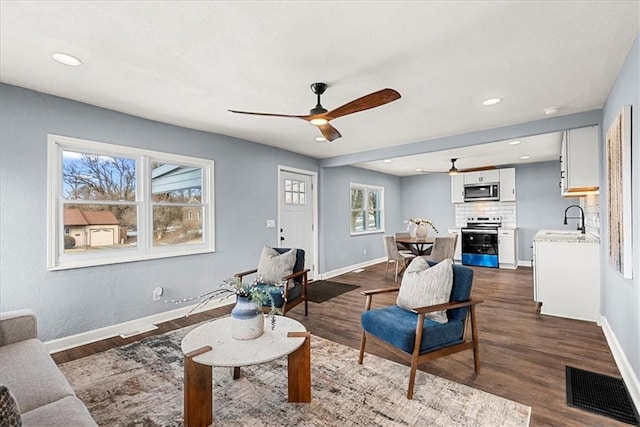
x: 480, y: 241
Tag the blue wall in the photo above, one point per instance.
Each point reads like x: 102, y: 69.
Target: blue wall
x: 338, y: 248
x: 621, y: 297
x: 428, y: 196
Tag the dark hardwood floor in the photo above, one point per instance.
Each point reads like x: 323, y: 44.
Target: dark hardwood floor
x: 523, y: 355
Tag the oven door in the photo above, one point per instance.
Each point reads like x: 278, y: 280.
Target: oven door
x: 480, y: 247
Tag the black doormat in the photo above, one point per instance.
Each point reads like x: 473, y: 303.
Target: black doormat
x: 323, y: 290
x: 601, y: 394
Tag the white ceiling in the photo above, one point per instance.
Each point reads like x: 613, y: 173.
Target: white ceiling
x: 186, y: 63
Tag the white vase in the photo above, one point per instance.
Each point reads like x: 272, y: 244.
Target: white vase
x: 422, y: 231
x: 248, y: 320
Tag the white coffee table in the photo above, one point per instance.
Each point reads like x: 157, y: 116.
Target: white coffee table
x: 212, y: 345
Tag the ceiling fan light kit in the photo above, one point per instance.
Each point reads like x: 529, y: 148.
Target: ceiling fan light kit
x: 320, y: 117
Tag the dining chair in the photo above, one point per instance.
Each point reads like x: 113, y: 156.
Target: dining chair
x: 443, y: 248
x: 395, y: 256
x: 401, y: 247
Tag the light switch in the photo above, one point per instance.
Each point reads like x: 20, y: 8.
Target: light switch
x: 271, y: 223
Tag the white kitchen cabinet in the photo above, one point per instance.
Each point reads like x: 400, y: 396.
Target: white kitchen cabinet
x: 508, y: 185
x: 579, y: 166
x: 457, y: 188
x: 482, y: 177
x: 567, y: 277
x: 507, y: 248
x: 457, y: 254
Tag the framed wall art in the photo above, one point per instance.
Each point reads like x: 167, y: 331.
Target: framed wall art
x: 618, y: 157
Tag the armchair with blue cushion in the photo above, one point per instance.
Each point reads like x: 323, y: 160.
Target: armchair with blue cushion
x: 293, y: 292
x: 418, y: 339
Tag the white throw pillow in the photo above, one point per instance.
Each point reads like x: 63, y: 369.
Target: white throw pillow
x: 423, y: 286
x: 274, y: 266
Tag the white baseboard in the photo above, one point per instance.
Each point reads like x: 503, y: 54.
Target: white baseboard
x: 524, y: 263
x: 127, y: 329
x: 343, y: 270
x: 628, y: 375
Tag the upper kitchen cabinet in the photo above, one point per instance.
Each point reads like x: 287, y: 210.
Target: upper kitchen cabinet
x: 457, y: 188
x: 482, y: 177
x: 579, y: 168
x: 508, y: 185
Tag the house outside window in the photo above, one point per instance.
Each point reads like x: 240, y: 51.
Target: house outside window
x: 111, y: 204
x: 367, y: 209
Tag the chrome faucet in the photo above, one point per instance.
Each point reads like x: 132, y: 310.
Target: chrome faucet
x: 581, y: 218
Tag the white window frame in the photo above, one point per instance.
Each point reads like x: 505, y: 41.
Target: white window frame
x: 145, y: 250
x: 367, y: 188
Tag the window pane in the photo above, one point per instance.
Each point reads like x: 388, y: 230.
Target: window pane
x: 303, y: 199
x: 172, y: 226
x: 374, y: 220
x: 373, y: 197
x: 296, y: 198
x: 99, y: 228
x: 357, y: 198
x: 302, y: 187
x: 287, y: 185
x: 357, y: 221
x: 287, y: 196
x: 295, y: 186
x: 176, y: 183
x: 87, y: 176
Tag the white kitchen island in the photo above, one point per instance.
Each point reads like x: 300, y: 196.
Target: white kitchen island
x: 566, y: 274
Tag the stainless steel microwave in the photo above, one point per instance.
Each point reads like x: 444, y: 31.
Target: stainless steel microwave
x: 481, y: 192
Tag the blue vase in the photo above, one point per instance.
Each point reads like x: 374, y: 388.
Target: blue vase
x: 248, y: 320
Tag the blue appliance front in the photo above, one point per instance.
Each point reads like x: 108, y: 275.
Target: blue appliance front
x: 480, y: 260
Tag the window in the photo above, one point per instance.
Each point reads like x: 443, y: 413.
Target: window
x: 295, y: 192
x: 111, y: 204
x: 367, y: 209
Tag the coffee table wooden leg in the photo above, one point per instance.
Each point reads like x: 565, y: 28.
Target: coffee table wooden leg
x: 198, y: 397
x: 299, y: 370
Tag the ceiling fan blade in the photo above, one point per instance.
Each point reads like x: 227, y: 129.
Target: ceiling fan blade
x: 478, y: 169
x: 269, y: 114
x: 329, y: 132
x: 366, y: 102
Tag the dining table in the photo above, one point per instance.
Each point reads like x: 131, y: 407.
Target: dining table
x: 417, y: 245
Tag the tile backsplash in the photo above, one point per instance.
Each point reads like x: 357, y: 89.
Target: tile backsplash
x: 506, y: 210
x: 591, y: 206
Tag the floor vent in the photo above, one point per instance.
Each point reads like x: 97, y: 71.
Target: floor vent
x: 601, y: 394
x: 129, y: 334
x: 359, y: 270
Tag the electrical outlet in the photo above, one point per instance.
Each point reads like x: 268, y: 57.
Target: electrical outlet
x: 157, y: 293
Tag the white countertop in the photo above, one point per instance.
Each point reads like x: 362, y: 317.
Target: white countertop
x: 564, y: 236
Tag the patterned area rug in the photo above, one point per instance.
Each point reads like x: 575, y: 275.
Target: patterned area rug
x: 142, y: 384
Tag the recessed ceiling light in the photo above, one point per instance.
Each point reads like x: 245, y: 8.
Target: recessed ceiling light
x: 387, y: 160
x: 514, y: 142
x: 418, y: 169
x: 321, y: 138
x: 550, y: 111
x: 491, y: 101
x: 525, y: 157
x: 66, y: 59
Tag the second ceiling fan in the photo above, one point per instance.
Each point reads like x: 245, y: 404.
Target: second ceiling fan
x: 453, y: 170
x: 320, y: 116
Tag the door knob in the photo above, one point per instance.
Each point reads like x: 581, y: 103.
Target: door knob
x: 281, y: 238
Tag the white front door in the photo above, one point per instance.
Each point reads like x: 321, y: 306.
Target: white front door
x: 296, y: 214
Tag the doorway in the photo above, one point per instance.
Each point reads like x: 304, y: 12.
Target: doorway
x: 297, y: 213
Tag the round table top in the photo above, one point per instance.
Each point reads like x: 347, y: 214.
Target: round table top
x: 228, y: 351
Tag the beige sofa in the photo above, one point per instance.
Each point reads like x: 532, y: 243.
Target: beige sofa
x: 43, y: 394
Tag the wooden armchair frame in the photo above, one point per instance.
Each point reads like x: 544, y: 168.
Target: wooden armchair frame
x: 415, y: 358
x: 286, y: 306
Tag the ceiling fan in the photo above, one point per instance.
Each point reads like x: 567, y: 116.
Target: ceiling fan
x: 453, y: 170
x: 320, y: 117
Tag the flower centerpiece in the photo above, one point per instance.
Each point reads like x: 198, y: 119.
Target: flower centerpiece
x: 254, y: 294
x: 418, y: 226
